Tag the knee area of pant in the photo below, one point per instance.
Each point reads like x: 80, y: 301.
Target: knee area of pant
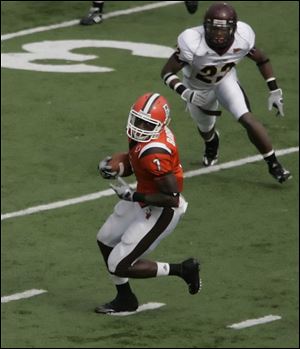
x: 111, y: 265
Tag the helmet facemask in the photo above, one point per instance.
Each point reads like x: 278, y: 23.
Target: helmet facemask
x: 219, y: 33
x: 142, y: 128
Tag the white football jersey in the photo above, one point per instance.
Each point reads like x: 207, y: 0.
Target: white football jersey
x: 205, y: 66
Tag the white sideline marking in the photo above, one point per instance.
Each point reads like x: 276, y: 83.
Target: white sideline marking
x: 58, y: 204
x: 25, y: 294
x: 76, y: 21
x: 254, y: 322
x: 109, y: 192
x: 236, y: 163
x: 143, y: 307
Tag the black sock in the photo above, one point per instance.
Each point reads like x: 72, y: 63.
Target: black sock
x: 214, y: 141
x: 175, y: 269
x: 98, y: 5
x: 271, y: 160
x: 124, y: 290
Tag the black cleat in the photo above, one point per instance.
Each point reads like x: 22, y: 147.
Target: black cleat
x: 190, y: 274
x: 210, y: 156
x: 93, y: 17
x: 278, y: 172
x: 118, y: 305
x: 191, y: 6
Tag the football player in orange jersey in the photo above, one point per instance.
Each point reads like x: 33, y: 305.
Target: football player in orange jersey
x: 142, y: 218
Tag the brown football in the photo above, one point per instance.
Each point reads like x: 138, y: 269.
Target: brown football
x: 120, y: 163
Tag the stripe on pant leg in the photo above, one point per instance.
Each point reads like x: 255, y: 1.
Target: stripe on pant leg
x: 159, y: 227
x: 246, y: 98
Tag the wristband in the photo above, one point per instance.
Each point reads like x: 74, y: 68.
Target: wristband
x: 179, y: 88
x: 272, y: 84
x: 169, y: 77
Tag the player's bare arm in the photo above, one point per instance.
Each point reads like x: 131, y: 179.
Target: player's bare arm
x: 168, y: 74
x: 168, y: 195
x: 173, y: 65
x: 262, y: 61
x: 265, y: 67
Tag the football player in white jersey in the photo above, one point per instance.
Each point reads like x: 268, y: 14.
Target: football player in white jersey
x: 207, y: 56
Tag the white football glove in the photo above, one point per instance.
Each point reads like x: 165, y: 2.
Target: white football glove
x: 193, y: 96
x: 123, y: 190
x: 105, y: 169
x: 276, y: 100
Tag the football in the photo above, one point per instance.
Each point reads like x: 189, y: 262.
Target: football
x: 120, y: 163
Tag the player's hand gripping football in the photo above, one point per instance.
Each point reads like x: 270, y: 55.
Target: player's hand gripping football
x: 123, y: 190
x: 276, y: 100
x: 106, y: 170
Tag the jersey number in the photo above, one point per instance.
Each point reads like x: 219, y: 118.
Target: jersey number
x: 157, y: 163
x: 212, y: 74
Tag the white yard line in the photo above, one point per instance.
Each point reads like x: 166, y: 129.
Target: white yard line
x: 58, y: 204
x: 25, y: 294
x: 236, y: 163
x: 76, y: 21
x: 109, y: 192
x: 254, y: 322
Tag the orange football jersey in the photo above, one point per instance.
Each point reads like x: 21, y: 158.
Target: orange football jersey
x: 147, y: 164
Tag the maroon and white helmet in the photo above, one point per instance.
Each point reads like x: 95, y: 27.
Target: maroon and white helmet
x: 220, y: 24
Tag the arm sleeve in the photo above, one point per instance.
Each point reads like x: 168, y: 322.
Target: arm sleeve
x: 184, y: 49
x: 247, y: 34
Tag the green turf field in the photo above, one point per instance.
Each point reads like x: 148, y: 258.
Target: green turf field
x: 240, y: 223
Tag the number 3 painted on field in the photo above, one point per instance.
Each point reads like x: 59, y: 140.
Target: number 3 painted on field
x: 61, y: 50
